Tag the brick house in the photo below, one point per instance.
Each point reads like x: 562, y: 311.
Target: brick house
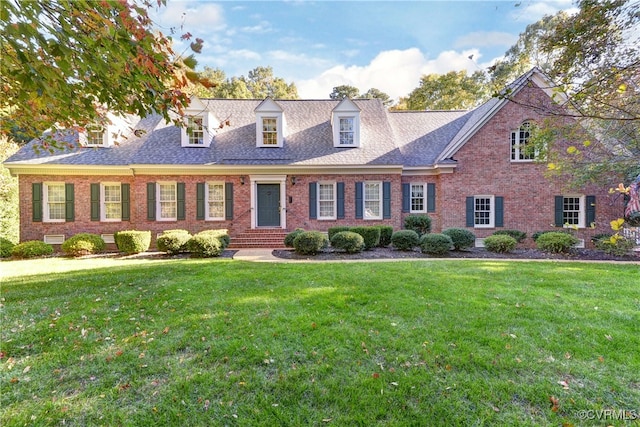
x: 254, y: 165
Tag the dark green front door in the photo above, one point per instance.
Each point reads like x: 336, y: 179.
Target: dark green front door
x: 268, y: 205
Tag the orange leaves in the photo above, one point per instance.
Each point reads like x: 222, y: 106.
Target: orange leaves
x: 555, y: 403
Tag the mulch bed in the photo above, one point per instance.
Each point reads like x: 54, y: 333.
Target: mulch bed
x: 479, y: 253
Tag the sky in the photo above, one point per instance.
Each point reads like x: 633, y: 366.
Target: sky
x: 387, y: 45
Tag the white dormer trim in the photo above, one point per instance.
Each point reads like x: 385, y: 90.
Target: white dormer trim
x: 197, y: 110
x: 112, y: 128
x: 345, y: 122
x: 269, y: 120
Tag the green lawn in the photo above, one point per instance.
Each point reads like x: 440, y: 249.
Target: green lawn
x: 223, y: 342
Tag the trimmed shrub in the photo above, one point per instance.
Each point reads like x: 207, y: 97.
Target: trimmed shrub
x: 176, y: 230
x: 337, y: 229
x: 537, y: 234
x: 500, y: 243
x: 421, y: 224
x: 516, y: 234
x: 31, y: 249
x: 83, y: 244
x: 205, y: 245
x: 371, y: 235
x: 461, y: 238
x: 556, y: 242
x: 435, y: 244
x: 6, y: 246
x: 310, y: 242
x: 222, y: 234
x: 132, y: 241
x: 349, y: 241
x: 289, y: 238
x: 386, y: 231
x: 405, y: 240
x: 173, y: 241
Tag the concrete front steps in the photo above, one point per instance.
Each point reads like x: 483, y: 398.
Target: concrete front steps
x: 259, y: 238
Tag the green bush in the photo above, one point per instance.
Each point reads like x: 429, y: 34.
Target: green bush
x: 289, y: 238
x: 556, y: 242
x: 222, y: 234
x: 421, y: 224
x: 31, y: 249
x: 310, y: 242
x: 435, y: 244
x: 461, y: 238
x: 6, y: 246
x: 537, y: 234
x: 348, y: 241
x: 132, y: 241
x: 633, y: 220
x: 618, y: 247
x: 83, y: 244
x: 205, y: 245
x: 598, y: 238
x: 500, y: 243
x: 176, y: 230
x: 386, y: 231
x: 405, y: 240
x: 516, y: 234
x: 173, y: 241
x: 370, y: 234
x: 337, y: 229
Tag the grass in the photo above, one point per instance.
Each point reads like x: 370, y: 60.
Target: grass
x: 222, y: 342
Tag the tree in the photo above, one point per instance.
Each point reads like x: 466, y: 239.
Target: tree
x: 345, y: 91
x: 259, y: 84
x: 374, y: 93
x: 452, y: 91
x: 65, y: 62
x: 9, y: 210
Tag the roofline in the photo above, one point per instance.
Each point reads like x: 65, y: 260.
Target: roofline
x: 48, y: 169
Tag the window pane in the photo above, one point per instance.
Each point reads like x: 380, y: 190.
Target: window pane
x: 55, y: 201
x: 195, y: 130
x: 326, y: 201
x: 417, y: 197
x: 95, y: 135
x: 326, y: 209
x: 112, y: 207
x: 168, y: 206
x: 482, y: 214
x: 216, y: 201
x: 571, y: 210
x: 372, y: 205
x: 167, y: 192
x: 346, y: 131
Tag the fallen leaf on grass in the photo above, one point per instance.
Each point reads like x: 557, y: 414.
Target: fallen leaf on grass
x: 555, y: 403
x: 564, y: 384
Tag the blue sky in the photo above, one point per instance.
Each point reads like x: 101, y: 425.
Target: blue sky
x: 383, y: 44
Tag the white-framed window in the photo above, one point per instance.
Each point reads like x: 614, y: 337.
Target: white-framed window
x: 418, y: 198
x: 372, y: 199
x: 327, y: 200
x: 96, y: 135
x: 573, y: 211
x: 111, y: 200
x: 167, y: 198
x: 214, y: 202
x: 345, y: 121
x: 270, y: 131
x: 195, y: 130
x: 522, y: 149
x: 347, y: 130
x: 54, y: 201
x: 483, y: 211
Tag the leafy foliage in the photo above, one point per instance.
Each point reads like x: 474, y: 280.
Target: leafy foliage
x: 421, y: 224
x: 222, y: 234
x: 435, y: 244
x: 352, y: 92
x: 290, y: 237
x: 9, y: 202
x: 65, y: 62
x: 371, y: 235
x: 310, y: 242
x: 516, y: 234
x: 500, y: 243
x: 83, y: 244
x: 205, y: 245
x: 31, y: 249
x: 452, y: 91
x: 405, y: 240
x: 349, y: 241
x: 386, y: 231
x: 259, y: 84
x: 132, y: 241
x: 461, y: 238
x: 618, y: 246
x: 173, y: 241
x: 556, y: 242
x: 337, y: 229
x: 5, y: 247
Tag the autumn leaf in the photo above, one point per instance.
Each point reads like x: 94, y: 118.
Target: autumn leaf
x: 616, y: 224
x: 555, y: 403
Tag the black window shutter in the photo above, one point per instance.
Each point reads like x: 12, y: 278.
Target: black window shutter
x: 36, y: 201
x: 95, y: 202
x: 200, y: 200
x: 558, y: 211
x: 125, y: 202
x: 313, y: 200
x: 180, y: 196
x: 499, y: 219
x: 406, y: 197
x: 151, y: 201
x: 340, y: 200
x: 386, y: 200
x: 591, y: 210
x: 431, y: 197
x: 69, y: 208
x: 359, y: 201
x: 228, y: 200
x: 470, y: 210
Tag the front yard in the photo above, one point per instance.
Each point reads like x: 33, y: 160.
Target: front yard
x: 220, y: 342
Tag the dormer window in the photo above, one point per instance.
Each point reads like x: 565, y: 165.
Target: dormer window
x: 197, y: 124
x: 195, y: 130
x: 96, y: 135
x: 345, y: 120
x: 270, y: 124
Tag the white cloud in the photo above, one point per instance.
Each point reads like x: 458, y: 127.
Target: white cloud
x: 192, y: 16
x: 535, y: 11
x: 486, y: 38
x: 395, y: 72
